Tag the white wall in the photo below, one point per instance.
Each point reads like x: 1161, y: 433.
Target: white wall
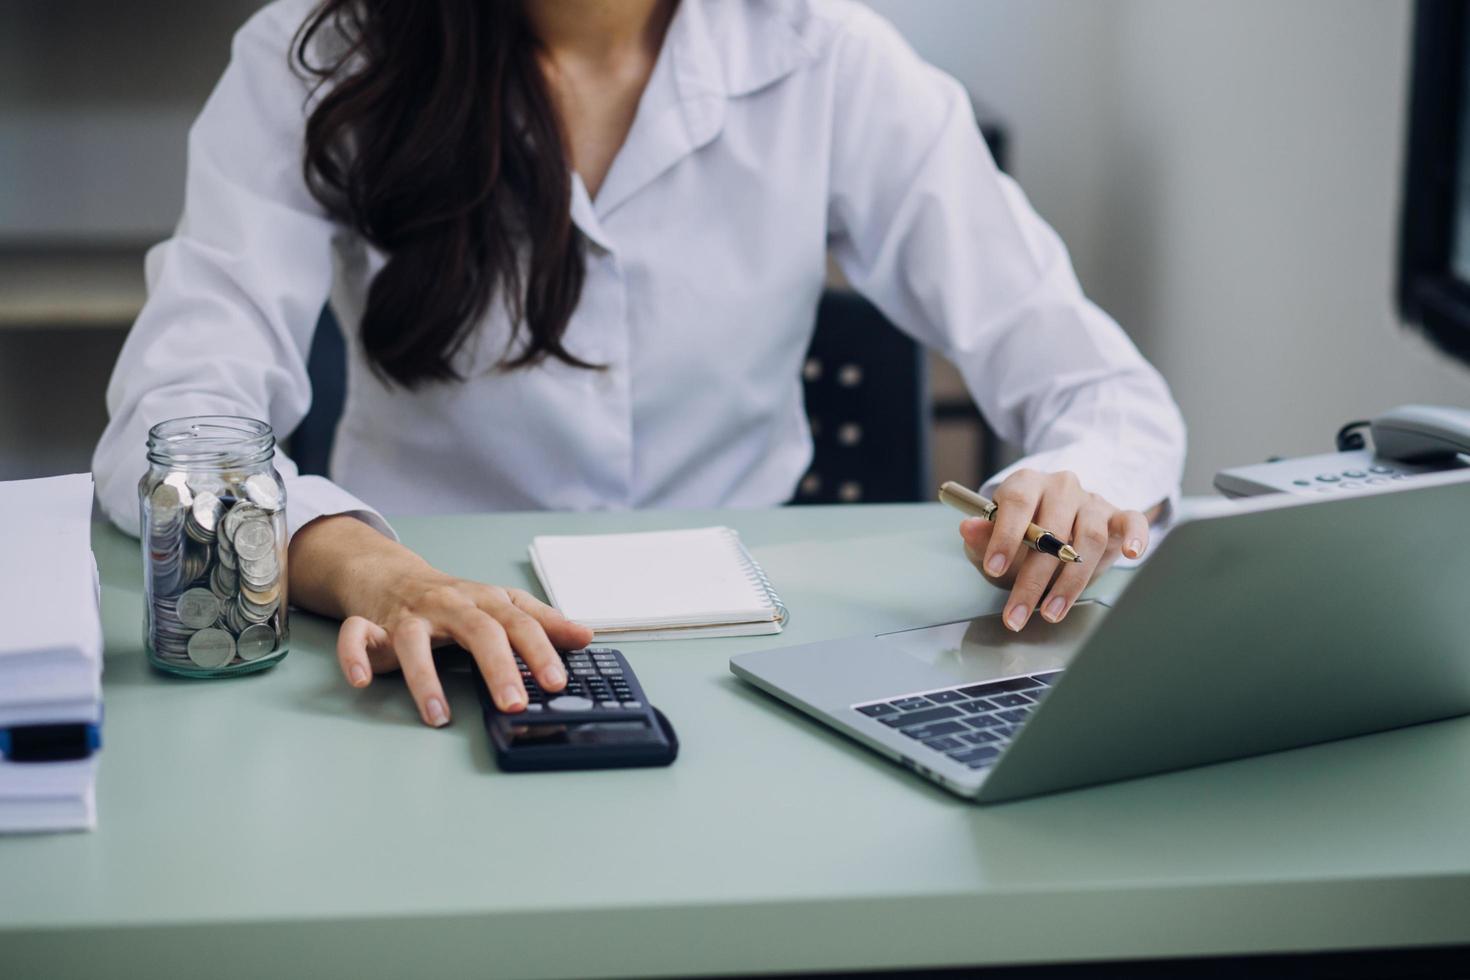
x: 96, y: 99
x: 1227, y: 175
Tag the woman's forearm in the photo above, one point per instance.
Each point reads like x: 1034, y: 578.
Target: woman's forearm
x: 340, y: 567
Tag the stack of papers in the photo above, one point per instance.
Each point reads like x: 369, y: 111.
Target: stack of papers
x: 50, y: 655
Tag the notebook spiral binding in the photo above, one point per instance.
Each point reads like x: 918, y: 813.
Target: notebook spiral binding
x: 757, y: 577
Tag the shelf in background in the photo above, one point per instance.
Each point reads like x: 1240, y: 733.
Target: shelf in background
x: 70, y: 286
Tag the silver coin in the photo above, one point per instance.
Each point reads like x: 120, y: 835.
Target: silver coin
x: 211, y: 648
x: 197, y: 608
x: 263, y: 492
x: 255, y: 539
x: 262, y: 597
x: 252, y: 613
x: 241, y: 512
x: 206, y: 510
x: 256, y: 642
x: 223, y: 582
x: 208, y: 483
x: 165, y: 498
x: 195, y: 564
x: 179, y: 481
x: 236, y: 622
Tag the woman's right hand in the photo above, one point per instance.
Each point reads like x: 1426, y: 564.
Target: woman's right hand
x: 396, y: 608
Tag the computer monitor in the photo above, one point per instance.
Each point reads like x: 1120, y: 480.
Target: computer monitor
x: 1434, y: 255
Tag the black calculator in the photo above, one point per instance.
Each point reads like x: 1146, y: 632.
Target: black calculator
x: 601, y: 720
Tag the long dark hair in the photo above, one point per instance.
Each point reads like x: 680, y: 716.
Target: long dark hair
x: 436, y: 139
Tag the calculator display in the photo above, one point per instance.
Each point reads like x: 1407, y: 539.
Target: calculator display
x: 590, y: 733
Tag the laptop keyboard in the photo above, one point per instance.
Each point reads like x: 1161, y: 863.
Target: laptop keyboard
x: 970, y: 724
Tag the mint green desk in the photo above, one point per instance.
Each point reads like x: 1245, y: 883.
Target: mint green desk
x: 284, y: 824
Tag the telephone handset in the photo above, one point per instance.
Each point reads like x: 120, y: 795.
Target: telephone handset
x: 1407, y: 441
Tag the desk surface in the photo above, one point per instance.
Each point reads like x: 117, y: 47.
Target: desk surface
x: 255, y: 825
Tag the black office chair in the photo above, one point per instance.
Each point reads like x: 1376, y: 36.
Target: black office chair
x: 867, y: 399
x: 326, y: 365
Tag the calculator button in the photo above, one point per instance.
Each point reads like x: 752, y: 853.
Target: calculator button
x: 1354, y: 474
x: 583, y: 672
x: 1328, y: 478
x: 533, y: 706
x: 611, y: 671
x: 633, y: 705
x: 568, y: 702
x: 1351, y: 485
x: 1302, y: 483
x: 1380, y: 469
x: 1376, y: 481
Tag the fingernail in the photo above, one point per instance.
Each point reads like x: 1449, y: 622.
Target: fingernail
x: 1016, y: 617
x: 438, y: 716
x: 555, y: 675
x: 1135, y: 548
x: 1054, y: 608
x: 511, y: 698
x: 997, y: 563
x: 359, y: 675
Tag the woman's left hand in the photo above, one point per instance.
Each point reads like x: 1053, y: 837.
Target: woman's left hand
x: 1058, y: 502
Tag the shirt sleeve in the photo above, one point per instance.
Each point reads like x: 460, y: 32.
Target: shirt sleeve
x: 925, y: 226
x: 234, y: 295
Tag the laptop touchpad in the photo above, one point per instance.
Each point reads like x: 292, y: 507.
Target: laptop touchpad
x: 982, y: 648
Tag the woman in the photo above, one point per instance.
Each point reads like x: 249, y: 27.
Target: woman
x: 576, y: 248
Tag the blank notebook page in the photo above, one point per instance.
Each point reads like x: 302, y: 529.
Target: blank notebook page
x: 699, y: 577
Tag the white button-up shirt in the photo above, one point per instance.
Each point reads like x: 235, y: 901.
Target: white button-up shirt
x: 769, y: 134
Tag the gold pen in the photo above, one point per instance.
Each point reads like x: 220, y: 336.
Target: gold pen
x: 1038, y: 538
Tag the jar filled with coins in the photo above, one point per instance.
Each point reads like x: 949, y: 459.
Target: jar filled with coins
x: 213, y: 519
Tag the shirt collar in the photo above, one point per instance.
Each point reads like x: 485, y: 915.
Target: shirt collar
x: 715, y: 50
x: 736, y: 47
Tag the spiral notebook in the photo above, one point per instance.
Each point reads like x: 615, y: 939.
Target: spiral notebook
x: 658, y: 585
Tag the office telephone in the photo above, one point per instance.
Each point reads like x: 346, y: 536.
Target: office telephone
x: 1406, y: 442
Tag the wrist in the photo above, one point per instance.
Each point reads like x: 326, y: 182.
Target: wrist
x: 341, y: 566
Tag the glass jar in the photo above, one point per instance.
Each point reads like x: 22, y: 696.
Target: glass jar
x: 213, y: 527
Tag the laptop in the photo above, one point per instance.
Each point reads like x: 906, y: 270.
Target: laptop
x: 1254, y: 627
